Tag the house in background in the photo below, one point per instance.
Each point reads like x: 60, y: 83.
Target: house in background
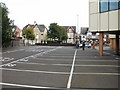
x: 77, y: 37
x: 86, y: 35
x: 83, y: 33
x: 17, y: 38
x: 18, y: 33
x: 71, y: 32
x: 40, y: 32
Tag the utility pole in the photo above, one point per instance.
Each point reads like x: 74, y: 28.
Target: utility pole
x: 78, y: 29
x: 77, y: 23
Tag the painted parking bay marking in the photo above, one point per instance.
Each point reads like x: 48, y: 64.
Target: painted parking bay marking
x: 13, y: 51
x: 44, y: 64
x: 72, y: 69
x: 62, y: 73
x: 111, y: 74
x: 77, y: 65
x: 49, y: 72
x: 31, y: 56
x: 27, y: 86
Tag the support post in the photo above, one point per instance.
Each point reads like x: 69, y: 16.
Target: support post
x: 101, y: 44
x: 117, y: 43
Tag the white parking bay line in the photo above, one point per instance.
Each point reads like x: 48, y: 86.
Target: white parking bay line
x: 27, y: 86
x: 72, y: 69
x: 62, y: 73
x: 13, y: 51
x: 111, y: 74
x: 35, y: 55
x: 77, y: 65
x: 98, y: 60
x: 116, y: 66
x: 58, y: 59
x: 44, y: 64
x: 48, y: 72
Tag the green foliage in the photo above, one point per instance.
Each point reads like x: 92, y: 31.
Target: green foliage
x: 6, y: 25
x: 53, y: 31
x: 29, y: 33
x: 57, y: 32
x: 62, y: 33
x: 55, y: 42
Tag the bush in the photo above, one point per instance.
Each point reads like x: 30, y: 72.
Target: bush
x: 53, y: 42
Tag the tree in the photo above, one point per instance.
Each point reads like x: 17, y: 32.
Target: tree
x: 53, y: 31
x: 29, y: 33
x: 62, y: 33
x: 57, y: 32
x: 6, y: 25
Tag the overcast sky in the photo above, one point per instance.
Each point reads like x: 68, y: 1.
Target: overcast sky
x: 63, y: 12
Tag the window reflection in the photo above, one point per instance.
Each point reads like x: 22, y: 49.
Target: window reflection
x: 119, y: 5
x: 113, y: 5
x: 103, y: 5
x: 108, y: 5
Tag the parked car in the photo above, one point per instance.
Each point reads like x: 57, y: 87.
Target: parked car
x: 107, y: 44
x: 87, y: 44
x: 80, y: 45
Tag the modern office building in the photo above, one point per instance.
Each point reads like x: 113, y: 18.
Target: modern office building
x: 105, y: 18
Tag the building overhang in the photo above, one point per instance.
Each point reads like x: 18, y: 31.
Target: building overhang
x: 108, y: 32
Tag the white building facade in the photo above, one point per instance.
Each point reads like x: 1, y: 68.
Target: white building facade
x: 105, y: 18
x: 104, y: 15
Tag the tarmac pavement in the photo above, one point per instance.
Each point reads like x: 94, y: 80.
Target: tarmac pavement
x: 50, y: 67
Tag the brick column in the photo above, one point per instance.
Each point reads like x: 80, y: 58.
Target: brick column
x: 101, y: 44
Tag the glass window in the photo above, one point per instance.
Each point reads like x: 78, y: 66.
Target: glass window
x: 119, y: 5
x: 113, y: 5
x: 103, y: 5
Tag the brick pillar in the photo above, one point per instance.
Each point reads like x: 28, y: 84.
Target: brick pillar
x: 101, y: 44
x: 117, y: 43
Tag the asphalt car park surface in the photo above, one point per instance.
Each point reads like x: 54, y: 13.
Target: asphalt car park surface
x: 50, y: 67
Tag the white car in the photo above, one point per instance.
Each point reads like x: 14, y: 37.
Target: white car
x: 88, y: 45
x: 80, y: 45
